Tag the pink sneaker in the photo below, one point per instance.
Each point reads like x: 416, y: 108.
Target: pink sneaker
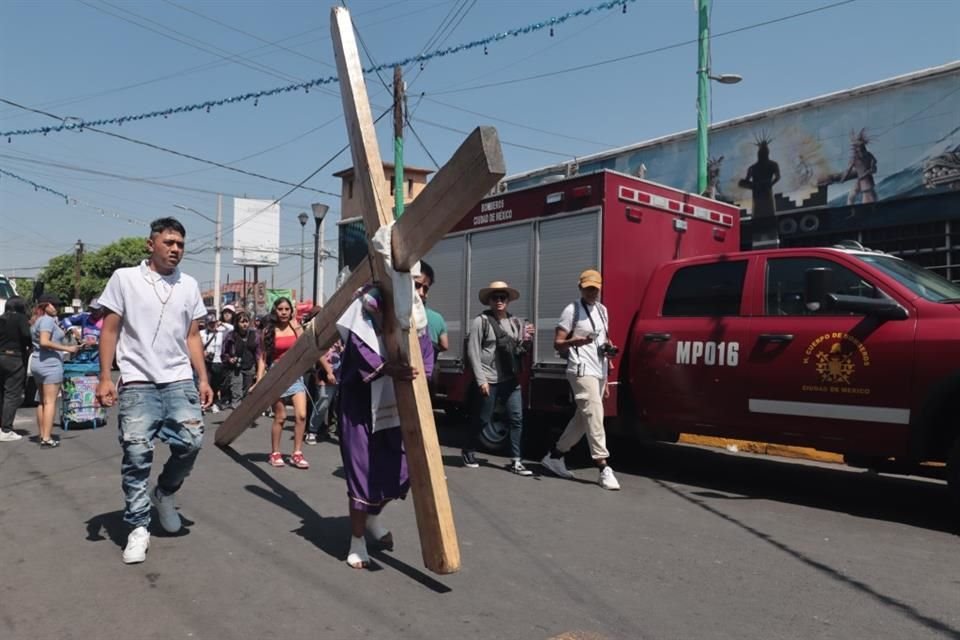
x: 299, y: 461
x: 276, y: 460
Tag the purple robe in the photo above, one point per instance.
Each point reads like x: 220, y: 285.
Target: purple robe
x: 375, y: 464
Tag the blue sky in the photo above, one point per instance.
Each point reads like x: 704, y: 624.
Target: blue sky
x: 88, y: 59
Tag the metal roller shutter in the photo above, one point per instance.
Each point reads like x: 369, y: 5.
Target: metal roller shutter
x: 448, y: 259
x: 502, y: 254
x: 567, y: 247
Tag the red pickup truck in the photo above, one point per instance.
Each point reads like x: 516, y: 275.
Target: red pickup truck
x: 844, y: 350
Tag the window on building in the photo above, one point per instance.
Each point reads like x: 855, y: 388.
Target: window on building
x: 392, y: 182
x: 786, y: 279
x: 350, y: 189
x: 706, y: 290
x: 410, y: 188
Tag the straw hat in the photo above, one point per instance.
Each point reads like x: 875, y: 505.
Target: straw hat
x: 498, y: 285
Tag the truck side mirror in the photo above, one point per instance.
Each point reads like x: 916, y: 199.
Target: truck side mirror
x: 816, y: 288
x: 37, y: 289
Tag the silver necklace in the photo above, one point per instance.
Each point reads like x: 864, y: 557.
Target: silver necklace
x: 163, y: 301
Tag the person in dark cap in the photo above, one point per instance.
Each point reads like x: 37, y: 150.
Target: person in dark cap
x: 14, y: 349
x: 47, y: 363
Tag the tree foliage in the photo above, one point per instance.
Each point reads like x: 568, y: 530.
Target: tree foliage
x: 95, y: 268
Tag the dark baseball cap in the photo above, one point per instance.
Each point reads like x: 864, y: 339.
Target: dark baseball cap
x: 49, y: 298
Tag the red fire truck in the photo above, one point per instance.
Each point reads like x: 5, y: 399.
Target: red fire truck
x: 842, y: 349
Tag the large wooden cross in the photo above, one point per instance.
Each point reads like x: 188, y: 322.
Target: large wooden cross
x: 474, y: 169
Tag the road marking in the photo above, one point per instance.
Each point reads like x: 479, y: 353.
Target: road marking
x: 579, y: 635
x: 863, y: 413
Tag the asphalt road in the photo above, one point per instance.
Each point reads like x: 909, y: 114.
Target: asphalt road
x: 698, y: 544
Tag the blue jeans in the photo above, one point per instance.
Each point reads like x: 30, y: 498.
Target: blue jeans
x: 509, y: 394
x: 148, y: 411
x: 321, y: 408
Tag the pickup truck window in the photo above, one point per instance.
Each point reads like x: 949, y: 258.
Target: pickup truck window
x: 6, y: 291
x: 706, y: 290
x: 922, y: 282
x: 784, y: 290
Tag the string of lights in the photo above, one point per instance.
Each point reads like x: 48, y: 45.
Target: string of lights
x: 549, y: 23
x: 73, y: 201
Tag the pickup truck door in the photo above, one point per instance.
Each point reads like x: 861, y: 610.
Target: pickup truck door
x: 688, y: 351
x: 832, y: 380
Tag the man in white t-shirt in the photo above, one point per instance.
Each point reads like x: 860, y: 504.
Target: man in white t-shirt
x: 150, y: 325
x: 582, y: 334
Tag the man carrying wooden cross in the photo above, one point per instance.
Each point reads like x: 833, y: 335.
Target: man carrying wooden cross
x: 474, y: 169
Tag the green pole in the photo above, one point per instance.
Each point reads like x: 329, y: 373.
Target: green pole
x: 398, y: 142
x: 703, y: 94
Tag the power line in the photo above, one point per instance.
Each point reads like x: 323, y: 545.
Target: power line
x: 174, y: 152
x: 647, y: 52
x: 320, y: 82
x: 502, y: 141
x: 516, y: 124
x: 188, y: 40
x: 213, y: 65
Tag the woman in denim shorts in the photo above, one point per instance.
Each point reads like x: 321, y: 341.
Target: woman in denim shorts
x: 279, y: 334
x: 46, y: 363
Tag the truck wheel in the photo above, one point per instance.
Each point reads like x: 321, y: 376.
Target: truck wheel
x: 953, y: 475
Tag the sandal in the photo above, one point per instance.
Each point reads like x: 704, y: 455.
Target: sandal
x: 299, y: 461
x: 49, y: 444
x: 276, y: 460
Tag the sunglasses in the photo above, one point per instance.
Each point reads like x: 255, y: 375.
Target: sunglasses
x: 499, y: 297
x: 422, y: 287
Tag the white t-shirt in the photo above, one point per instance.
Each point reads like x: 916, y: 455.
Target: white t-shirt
x: 156, y: 313
x: 593, y: 363
x: 213, y: 345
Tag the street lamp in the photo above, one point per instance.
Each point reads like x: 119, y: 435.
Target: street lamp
x: 703, y: 92
x: 319, y: 212
x: 303, y: 217
x: 218, y: 245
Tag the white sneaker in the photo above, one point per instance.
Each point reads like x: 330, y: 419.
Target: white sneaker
x: 137, y: 544
x: 557, y: 467
x: 167, y: 508
x: 608, y: 480
x: 214, y: 408
x: 10, y: 436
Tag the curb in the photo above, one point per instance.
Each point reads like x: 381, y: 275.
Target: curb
x: 749, y: 446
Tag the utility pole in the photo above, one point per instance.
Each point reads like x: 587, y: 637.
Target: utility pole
x: 78, y: 249
x: 703, y: 93
x: 399, y: 97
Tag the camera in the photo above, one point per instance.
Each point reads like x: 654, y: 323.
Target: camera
x: 608, y: 350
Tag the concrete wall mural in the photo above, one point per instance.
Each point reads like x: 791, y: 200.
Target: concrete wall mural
x: 895, y: 139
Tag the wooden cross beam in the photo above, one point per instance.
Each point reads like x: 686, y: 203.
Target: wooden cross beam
x: 474, y: 169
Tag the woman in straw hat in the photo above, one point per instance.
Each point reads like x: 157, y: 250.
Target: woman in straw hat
x: 495, y: 346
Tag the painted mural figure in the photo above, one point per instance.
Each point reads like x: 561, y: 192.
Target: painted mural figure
x: 713, y: 179
x: 761, y: 176
x: 863, y: 166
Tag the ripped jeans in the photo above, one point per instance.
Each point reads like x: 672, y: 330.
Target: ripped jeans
x: 170, y: 412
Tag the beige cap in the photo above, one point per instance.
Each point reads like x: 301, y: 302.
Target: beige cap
x: 591, y: 278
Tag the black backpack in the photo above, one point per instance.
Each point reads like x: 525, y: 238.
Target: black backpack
x: 509, y: 350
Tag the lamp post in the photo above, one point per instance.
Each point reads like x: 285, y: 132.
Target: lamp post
x: 319, y: 212
x: 703, y: 92
x: 218, y: 245
x: 303, y: 217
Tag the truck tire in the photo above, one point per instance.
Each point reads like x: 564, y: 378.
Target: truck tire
x: 953, y: 475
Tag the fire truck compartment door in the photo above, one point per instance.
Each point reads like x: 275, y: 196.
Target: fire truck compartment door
x: 566, y: 247
x: 502, y: 254
x: 449, y: 261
